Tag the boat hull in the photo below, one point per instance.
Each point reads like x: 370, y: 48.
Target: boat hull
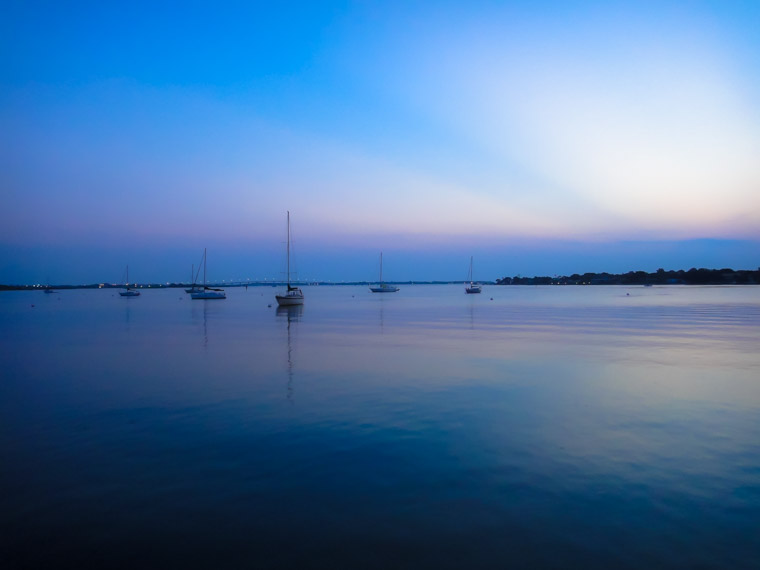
x: 384, y: 289
x: 289, y: 300
x: 208, y: 295
x: 129, y: 293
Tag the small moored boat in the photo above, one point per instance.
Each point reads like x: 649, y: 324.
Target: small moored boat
x: 473, y: 287
x: 193, y: 278
x: 207, y: 292
x: 293, y: 295
x: 383, y: 287
x: 129, y: 292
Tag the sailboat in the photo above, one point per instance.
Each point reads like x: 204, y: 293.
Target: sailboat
x: 474, y: 287
x: 294, y: 295
x: 383, y: 287
x: 129, y: 292
x: 207, y: 292
x: 193, y: 288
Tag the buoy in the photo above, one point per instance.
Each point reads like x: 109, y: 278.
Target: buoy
x: 269, y: 305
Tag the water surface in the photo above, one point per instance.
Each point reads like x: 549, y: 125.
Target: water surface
x: 588, y: 427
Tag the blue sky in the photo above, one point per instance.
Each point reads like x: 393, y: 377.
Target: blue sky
x: 539, y: 137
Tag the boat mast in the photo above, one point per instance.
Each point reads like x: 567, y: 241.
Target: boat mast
x: 204, y: 267
x: 381, y: 268
x: 288, y: 254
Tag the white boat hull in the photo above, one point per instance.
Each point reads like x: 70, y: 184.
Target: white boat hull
x: 289, y: 300
x: 129, y: 293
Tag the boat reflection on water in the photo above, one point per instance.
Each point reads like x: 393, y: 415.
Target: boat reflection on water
x: 200, y: 320
x: 205, y: 326
x: 292, y: 314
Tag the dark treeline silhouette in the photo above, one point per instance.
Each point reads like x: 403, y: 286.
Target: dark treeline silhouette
x: 660, y: 277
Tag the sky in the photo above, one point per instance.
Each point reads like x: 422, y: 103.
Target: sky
x: 540, y: 138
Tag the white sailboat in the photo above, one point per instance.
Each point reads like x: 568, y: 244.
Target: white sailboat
x: 474, y: 287
x: 207, y: 292
x: 129, y: 292
x: 293, y: 295
x: 383, y: 287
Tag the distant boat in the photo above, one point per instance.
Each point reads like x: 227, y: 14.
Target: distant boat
x: 383, y: 287
x: 129, y: 292
x: 49, y: 290
x: 293, y: 295
x: 194, y: 288
x: 207, y: 292
x: 474, y: 287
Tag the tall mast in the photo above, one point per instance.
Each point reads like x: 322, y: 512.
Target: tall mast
x: 204, y: 267
x: 288, y: 255
x: 381, y: 268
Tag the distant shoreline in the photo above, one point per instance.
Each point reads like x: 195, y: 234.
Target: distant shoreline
x: 660, y: 277
x: 693, y: 276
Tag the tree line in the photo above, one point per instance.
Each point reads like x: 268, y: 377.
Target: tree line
x: 693, y: 276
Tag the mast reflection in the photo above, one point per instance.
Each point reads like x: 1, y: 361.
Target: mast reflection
x: 205, y: 326
x: 382, y: 315
x: 292, y: 314
x: 200, y: 315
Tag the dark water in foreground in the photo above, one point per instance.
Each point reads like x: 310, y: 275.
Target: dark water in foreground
x: 548, y: 427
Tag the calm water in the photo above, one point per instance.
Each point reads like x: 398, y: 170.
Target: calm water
x: 588, y: 427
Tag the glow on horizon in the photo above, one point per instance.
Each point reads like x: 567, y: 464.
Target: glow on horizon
x: 661, y: 134
x: 414, y: 126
